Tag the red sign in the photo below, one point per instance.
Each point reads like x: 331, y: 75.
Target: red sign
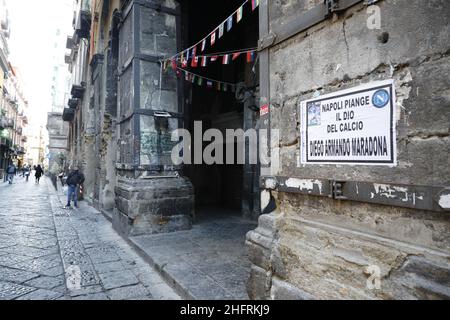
x: 264, y: 110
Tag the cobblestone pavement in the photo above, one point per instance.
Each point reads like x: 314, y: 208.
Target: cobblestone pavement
x: 49, y: 253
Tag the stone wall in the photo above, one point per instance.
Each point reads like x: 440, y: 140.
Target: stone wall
x: 151, y: 196
x: 320, y: 248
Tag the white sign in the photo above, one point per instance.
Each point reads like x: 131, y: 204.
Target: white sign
x: 355, y: 126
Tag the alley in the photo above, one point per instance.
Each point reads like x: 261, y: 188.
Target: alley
x: 49, y: 253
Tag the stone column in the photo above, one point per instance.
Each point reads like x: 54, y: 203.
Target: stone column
x: 151, y: 194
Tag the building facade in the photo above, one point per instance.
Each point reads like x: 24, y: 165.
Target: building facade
x: 61, y: 81
x: 5, y: 123
x: 13, y: 104
x: 328, y: 229
x: 14, y: 109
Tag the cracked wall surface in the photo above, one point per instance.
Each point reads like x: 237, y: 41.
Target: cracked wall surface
x: 320, y: 248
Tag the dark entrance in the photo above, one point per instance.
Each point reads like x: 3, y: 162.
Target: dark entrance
x: 222, y: 188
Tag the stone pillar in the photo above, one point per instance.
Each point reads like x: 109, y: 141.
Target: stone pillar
x: 97, y: 66
x: 151, y: 194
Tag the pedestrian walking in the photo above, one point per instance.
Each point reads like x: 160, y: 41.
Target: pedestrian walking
x: 39, y: 173
x: 11, y: 172
x: 27, y: 171
x: 74, y: 180
x: 61, y: 178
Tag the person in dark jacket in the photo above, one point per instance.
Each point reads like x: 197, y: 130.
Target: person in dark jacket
x: 39, y: 173
x: 74, y: 180
x: 11, y: 172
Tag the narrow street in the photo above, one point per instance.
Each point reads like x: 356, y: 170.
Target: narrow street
x: 44, y: 247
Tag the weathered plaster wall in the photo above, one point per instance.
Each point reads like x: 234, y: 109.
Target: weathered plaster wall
x: 314, y: 247
x: 96, y: 144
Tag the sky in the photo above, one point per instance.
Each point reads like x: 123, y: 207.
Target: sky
x: 31, y: 44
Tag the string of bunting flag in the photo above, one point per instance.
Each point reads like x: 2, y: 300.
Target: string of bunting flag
x: 191, y: 52
x: 223, y: 57
x: 204, y: 81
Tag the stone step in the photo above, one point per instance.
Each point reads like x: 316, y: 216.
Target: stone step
x: 208, y: 262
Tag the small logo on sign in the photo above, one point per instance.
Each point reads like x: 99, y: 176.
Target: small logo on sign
x: 381, y: 98
x: 314, y: 114
x: 264, y: 110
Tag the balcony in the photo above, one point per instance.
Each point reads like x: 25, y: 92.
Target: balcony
x: 73, y: 103
x: 19, y: 131
x: 9, y: 123
x: 68, y: 114
x: 68, y: 58
x: 21, y: 151
x: 83, y: 25
x: 5, y: 24
x: 70, y: 43
x: 25, y: 120
x: 78, y: 91
x: 5, y: 142
x: 13, y: 102
x: 25, y: 139
x: 4, y: 62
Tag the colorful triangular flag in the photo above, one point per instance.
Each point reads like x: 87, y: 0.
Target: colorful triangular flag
x: 184, y: 63
x: 255, y: 4
x: 236, y: 55
x: 204, y: 61
x: 194, y: 62
x: 214, y: 58
x: 209, y: 84
x: 187, y: 55
x: 239, y: 13
x: 226, y: 59
x: 203, y: 45
x: 213, y: 38
x: 230, y: 23
x: 200, y: 81
x: 221, y: 27
x: 174, y: 64
x: 250, y: 56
